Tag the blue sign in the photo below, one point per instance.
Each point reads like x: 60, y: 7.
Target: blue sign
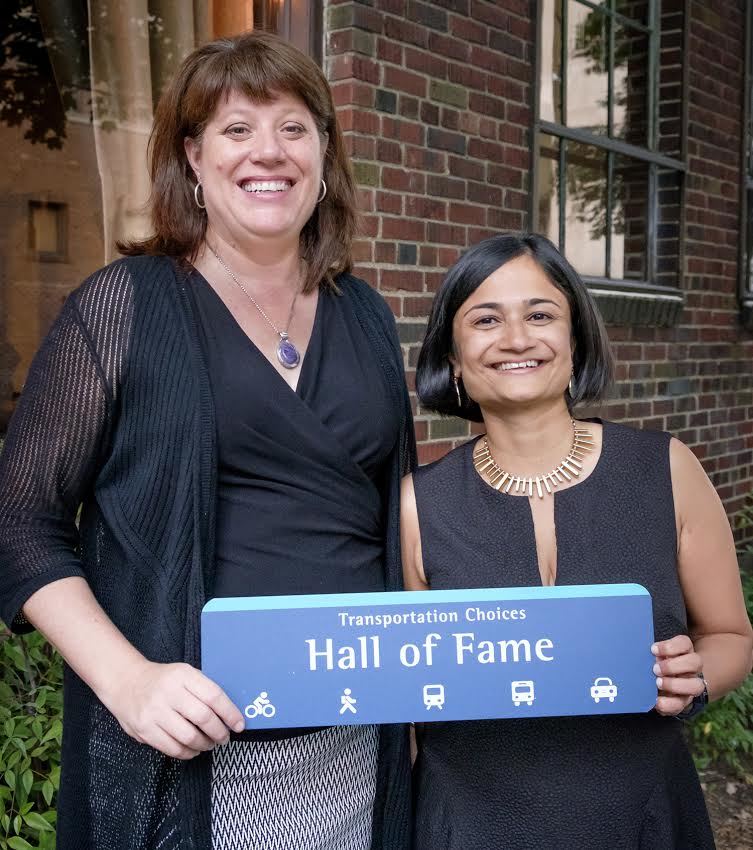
x: 328, y: 660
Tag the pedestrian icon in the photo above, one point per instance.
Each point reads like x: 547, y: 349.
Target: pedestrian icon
x: 347, y: 702
x: 262, y: 705
x: 522, y: 692
x: 434, y: 696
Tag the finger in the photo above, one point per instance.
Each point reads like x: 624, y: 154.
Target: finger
x: 185, y: 733
x: 202, y: 717
x: 685, y: 686
x: 212, y: 695
x: 671, y: 706
x: 678, y: 645
x: 679, y: 665
x: 165, y: 743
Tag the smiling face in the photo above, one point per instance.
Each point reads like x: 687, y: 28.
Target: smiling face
x: 260, y: 166
x: 513, y: 339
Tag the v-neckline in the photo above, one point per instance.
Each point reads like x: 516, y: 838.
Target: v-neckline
x: 296, y: 390
x: 557, y: 498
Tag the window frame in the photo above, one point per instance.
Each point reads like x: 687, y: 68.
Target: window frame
x: 745, y: 285
x: 622, y: 299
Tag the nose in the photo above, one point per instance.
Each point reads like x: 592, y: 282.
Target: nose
x: 266, y: 146
x: 517, y: 337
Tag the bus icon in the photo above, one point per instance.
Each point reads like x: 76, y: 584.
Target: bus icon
x: 522, y: 692
x: 434, y: 696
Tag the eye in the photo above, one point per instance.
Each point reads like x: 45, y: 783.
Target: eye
x: 238, y: 131
x: 485, y: 321
x: 293, y: 129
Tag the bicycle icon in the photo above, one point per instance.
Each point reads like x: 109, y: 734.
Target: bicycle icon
x: 261, y: 706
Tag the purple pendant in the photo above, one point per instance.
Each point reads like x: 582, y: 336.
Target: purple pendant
x: 287, y: 353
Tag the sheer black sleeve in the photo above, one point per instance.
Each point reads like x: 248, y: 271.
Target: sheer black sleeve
x: 55, y: 439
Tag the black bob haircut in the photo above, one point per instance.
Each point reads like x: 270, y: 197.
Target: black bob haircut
x: 593, y: 366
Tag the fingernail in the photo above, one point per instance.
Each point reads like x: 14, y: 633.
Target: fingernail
x: 655, y: 648
x: 656, y: 669
x: 659, y: 681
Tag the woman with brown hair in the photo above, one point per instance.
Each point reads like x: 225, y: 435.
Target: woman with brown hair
x: 227, y: 403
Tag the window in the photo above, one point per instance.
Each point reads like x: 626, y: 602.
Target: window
x: 746, y: 200
x: 48, y: 226
x: 609, y: 149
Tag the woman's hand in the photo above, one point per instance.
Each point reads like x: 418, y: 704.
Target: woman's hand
x: 174, y: 708
x: 678, y: 668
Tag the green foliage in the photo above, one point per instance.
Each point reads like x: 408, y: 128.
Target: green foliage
x: 31, y: 708
x: 724, y: 732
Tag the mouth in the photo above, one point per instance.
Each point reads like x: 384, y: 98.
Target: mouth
x: 517, y: 365
x: 266, y: 187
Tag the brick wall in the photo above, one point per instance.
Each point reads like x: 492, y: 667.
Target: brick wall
x: 436, y: 100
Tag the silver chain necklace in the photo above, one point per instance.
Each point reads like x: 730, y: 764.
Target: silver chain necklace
x: 287, y: 354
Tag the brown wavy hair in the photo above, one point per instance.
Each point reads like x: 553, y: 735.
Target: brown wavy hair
x: 259, y: 65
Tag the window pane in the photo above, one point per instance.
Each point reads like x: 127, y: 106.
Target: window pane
x: 45, y: 233
x: 548, y: 187
x: 550, y: 83
x: 629, y: 104
x: 668, y: 227
x: 629, y: 219
x: 586, y: 209
x: 587, y: 68
x: 636, y: 10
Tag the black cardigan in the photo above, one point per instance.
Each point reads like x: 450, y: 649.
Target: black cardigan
x: 117, y: 414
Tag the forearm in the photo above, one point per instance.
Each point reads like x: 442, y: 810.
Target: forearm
x: 69, y: 616
x: 726, y: 661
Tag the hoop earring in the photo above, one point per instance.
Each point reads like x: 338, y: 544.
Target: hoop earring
x: 323, y: 194
x: 196, y: 196
x: 457, y: 391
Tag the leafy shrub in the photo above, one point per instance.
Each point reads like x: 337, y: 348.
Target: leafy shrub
x: 724, y: 732
x: 31, y: 707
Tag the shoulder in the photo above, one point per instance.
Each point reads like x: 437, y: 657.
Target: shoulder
x: 109, y: 299
x: 122, y: 277
x: 685, y: 466
x: 446, y: 468
x: 636, y: 436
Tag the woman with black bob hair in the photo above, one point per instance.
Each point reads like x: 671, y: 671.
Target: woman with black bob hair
x: 592, y: 357
x: 515, y: 341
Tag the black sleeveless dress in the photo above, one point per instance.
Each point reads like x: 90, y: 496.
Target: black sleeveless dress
x: 619, y: 781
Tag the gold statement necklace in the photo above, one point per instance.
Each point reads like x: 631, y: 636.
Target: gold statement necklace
x: 566, y: 470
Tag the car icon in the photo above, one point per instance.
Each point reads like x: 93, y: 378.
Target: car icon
x: 603, y: 688
x: 522, y: 692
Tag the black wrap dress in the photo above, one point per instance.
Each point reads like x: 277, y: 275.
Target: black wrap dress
x: 299, y: 511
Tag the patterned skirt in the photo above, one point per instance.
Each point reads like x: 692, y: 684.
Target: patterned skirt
x: 314, y: 792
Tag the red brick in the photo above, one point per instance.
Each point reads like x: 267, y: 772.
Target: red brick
x: 399, y: 79
x: 423, y: 207
x: 467, y: 214
x: 403, y: 229
x: 403, y: 131
x: 469, y: 30
x: 401, y: 279
x: 403, y: 180
x: 389, y: 202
